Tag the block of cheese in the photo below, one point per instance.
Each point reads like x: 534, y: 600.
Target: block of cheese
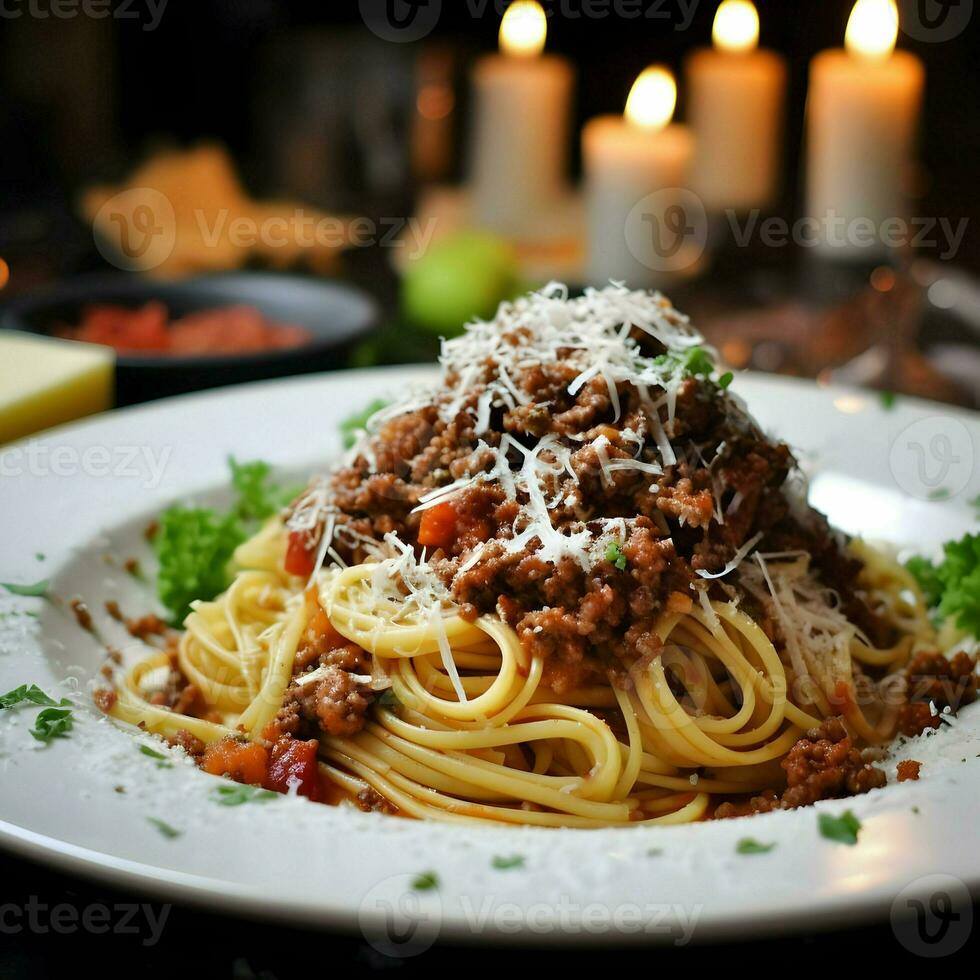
x: 45, y: 382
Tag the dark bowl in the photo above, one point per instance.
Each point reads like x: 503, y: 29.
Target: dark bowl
x: 336, y: 314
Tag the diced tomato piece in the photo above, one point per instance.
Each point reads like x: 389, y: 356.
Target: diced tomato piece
x: 245, y: 762
x: 438, y: 526
x: 293, y: 763
x: 299, y: 559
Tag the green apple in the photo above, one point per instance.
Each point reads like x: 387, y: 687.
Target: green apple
x: 464, y: 276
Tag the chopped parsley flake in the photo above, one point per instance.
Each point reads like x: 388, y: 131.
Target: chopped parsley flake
x: 425, y: 881
x: 239, y: 793
x: 31, y: 695
x: 165, y: 829
x: 52, y: 723
x: 507, y: 863
x: 888, y: 400
x: 36, y: 590
x: 941, y: 494
x: 162, y: 761
x: 749, y: 845
x: 616, y: 556
x: 843, y: 829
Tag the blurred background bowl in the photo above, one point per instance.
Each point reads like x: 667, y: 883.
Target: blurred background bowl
x: 335, y: 314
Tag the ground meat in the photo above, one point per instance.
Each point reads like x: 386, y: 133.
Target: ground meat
x: 822, y: 765
x: 370, y: 799
x: 584, y: 621
x: 105, y: 699
x: 183, y: 739
x: 936, y: 686
x: 336, y: 704
x: 908, y: 769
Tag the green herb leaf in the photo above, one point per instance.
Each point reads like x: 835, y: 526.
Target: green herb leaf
x: 888, y: 400
x: 163, y: 762
x: 426, y: 881
x: 506, y: 863
x: 52, y: 723
x: 240, y: 793
x: 941, y: 494
x: 975, y: 504
x: 33, y: 695
x: 37, y: 591
x: 194, y: 547
x: 725, y: 380
x: 355, y: 423
x: 257, y: 497
x: 616, y: 556
x: 749, y: 845
x: 953, y: 586
x: 843, y: 829
x: 165, y: 829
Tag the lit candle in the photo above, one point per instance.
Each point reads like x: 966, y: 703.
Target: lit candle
x: 862, y: 121
x: 627, y: 159
x: 519, y: 153
x: 736, y: 94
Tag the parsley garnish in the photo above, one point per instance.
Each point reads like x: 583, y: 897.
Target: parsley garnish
x: 843, y: 829
x: 425, y: 881
x: 975, y: 504
x: 506, y: 863
x: 887, y: 399
x: 164, y: 827
x: 239, y: 793
x: 33, y: 695
x: 953, y: 586
x: 37, y: 590
x: 257, y: 497
x: 195, y: 545
x: 616, y: 556
x: 725, y: 380
x: 655, y: 852
x: 162, y: 761
x: 356, y: 423
x: 749, y: 845
x: 52, y: 723
x: 942, y: 493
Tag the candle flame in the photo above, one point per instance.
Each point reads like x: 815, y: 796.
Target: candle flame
x: 524, y: 29
x: 652, y: 99
x: 872, y: 29
x: 736, y: 26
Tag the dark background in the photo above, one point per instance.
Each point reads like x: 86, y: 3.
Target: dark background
x: 85, y: 99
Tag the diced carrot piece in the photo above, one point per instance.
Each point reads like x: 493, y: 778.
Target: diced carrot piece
x: 245, y: 762
x: 438, y: 526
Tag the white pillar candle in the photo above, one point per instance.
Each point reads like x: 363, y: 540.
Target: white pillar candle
x: 863, y: 112
x: 736, y: 95
x: 519, y: 151
x: 626, y: 160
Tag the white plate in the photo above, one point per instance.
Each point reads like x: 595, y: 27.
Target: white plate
x: 81, y: 496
